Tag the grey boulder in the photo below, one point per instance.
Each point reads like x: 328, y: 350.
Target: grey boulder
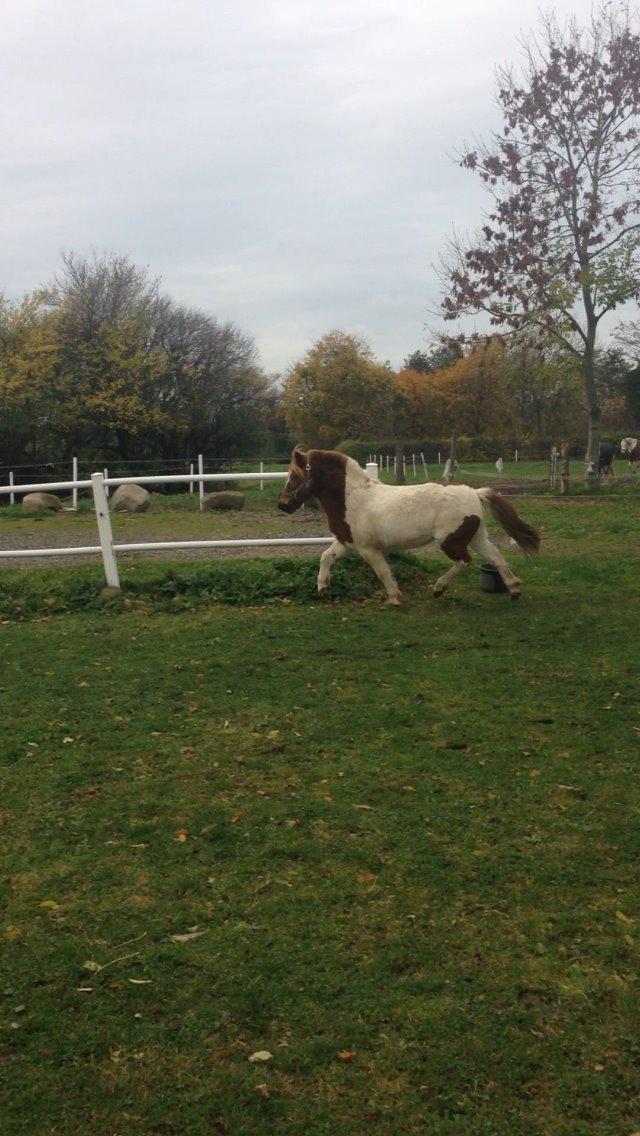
x: 35, y: 501
x: 223, y: 502
x: 129, y: 499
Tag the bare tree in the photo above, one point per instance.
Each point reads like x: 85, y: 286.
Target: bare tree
x: 561, y: 246
x: 102, y: 289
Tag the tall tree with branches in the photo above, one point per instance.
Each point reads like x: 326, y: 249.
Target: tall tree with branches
x: 561, y: 243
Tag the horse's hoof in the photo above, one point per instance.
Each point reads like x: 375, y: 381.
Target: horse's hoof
x: 437, y: 592
x: 515, y: 593
x: 394, y: 601
x: 322, y: 588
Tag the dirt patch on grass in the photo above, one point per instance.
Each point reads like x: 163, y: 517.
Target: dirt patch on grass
x: 75, y: 532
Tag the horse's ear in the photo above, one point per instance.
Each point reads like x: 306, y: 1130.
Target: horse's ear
x: 299, y: 457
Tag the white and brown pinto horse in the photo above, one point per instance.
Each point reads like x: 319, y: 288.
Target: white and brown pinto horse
x: 631, y: 447
x: 370, y: 518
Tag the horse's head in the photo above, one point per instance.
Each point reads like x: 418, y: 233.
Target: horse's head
x: 299, y: 487
x: 627, y: 445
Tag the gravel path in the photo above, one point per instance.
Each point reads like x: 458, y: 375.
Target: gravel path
x: 77, y: 535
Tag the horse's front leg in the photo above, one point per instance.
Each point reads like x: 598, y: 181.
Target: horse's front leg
x: 327, y: 561
x: 382, y: 570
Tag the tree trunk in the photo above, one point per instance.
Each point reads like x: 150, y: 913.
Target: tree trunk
x: 400, y: 478
x: 564, y: 475
x: 592, y: 458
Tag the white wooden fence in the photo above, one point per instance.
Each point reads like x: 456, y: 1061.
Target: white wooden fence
x: 99, y: 485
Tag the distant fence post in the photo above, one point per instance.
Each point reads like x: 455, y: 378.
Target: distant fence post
x: 74, y: 491
x: 261, y: 471
x: 372, y: 470
x: 106, y: 474
x: 201, y: 483
x: 553, y: 467
x: 101, y: 506
x: 12, y: 496
x: 424, y: 466
x: 191, y: 482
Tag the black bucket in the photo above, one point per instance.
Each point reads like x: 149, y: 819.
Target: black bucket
x: 491, y: 580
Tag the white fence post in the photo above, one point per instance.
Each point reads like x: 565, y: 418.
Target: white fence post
x: 424, y: 466
x: 372, y: 470
x: 201, y: 483
x: 105, y: 475
x: 191, y: 482
x: 74, y: 491
x: 101, y: 506
x: 12, y: 496
x: 413, y: 459
x: 261, y: 471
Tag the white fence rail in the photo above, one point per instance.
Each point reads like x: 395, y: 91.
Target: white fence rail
x: 108, y: 550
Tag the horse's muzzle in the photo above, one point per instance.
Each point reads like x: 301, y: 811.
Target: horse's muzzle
x: 286, y: 503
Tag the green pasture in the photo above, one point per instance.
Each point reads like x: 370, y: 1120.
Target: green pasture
x: 393, y: 851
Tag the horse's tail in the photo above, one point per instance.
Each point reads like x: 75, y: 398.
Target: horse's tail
x: 527, y: 539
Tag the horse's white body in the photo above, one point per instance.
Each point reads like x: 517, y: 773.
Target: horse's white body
x: 404, y: 516
x: 384, y: 517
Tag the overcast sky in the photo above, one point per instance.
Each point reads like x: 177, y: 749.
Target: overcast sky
x: 285, y: 164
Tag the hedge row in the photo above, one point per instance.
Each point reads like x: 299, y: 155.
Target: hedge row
x: 477, y: 448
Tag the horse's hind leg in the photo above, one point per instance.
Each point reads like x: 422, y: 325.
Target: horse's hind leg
x: 383, y: 572
x: 327, y: 561
x: 483, y: 546
x: 455, y: 545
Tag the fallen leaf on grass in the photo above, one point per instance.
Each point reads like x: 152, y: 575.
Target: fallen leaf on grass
x: 181, y: 834
x: 263, y: 1089
x: 94, y: 967
x: 261, y: 1055
x: 186, y: 938
x: 624, y: 918
x: 365, y: 878
x: 141, y: 981
x: 50, y: 903
x: 347, y: 1055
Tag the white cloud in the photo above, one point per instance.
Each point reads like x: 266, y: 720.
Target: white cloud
x: 283, y: 164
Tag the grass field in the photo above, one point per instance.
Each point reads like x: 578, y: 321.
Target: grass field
x: 397, y: 850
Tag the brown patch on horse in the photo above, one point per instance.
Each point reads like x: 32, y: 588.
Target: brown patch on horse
x: 329, y: 479
x: 634, y: 454
x: 527, y: 539
x: 455, y: 544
